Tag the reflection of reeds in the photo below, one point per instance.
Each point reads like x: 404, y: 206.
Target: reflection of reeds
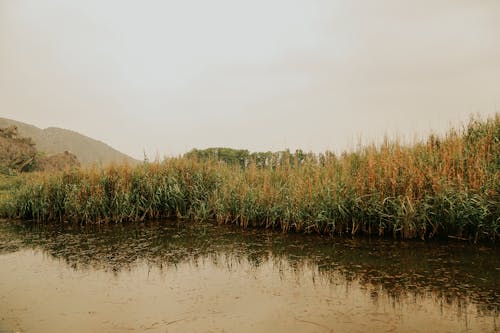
x: 451, y: 273
x: 445, y: 186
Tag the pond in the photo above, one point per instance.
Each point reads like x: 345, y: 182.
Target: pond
x: 193, y: 277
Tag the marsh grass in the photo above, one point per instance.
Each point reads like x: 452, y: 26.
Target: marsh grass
x: 444, y: 186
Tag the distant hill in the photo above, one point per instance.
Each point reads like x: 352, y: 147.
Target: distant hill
x: 55, y: 140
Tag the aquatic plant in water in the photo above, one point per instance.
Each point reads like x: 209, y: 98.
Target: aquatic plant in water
x: 444, y: 186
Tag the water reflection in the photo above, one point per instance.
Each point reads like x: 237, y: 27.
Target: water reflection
x: 446, y: 274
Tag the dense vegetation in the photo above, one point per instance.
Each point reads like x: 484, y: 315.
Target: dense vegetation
x: 244, y: 158
x: 19, y: 154
x: 55, y: 141
x: 444, y: 187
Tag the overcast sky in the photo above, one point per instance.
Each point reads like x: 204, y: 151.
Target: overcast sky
x: 166, y: 76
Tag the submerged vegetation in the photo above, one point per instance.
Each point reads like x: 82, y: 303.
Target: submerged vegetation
x: 442, y: 187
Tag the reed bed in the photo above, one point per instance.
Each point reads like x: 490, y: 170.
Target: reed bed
x: 442, y: 187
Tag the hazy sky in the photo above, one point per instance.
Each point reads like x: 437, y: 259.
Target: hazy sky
x: 166, y: 76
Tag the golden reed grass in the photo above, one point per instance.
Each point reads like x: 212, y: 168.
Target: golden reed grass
x: 441, y: 187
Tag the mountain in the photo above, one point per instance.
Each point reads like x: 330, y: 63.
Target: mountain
x: 55, y: 140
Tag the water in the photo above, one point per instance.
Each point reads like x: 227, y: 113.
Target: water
x: 168, y: 277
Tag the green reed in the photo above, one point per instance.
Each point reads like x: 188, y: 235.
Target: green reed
x: 444, y: 186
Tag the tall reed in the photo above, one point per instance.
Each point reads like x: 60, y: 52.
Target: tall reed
x: 444, y: 186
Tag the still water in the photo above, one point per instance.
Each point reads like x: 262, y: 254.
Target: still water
x: 188, y: 277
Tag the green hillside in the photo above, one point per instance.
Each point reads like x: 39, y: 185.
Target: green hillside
x: 55, y: 140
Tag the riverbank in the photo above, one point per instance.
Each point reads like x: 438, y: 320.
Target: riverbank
x: 443, y: 187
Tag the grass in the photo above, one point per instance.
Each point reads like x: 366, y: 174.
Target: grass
x: 9, y: 182
x: 441, y: 187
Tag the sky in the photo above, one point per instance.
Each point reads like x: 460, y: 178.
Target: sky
x: 162, y: 77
